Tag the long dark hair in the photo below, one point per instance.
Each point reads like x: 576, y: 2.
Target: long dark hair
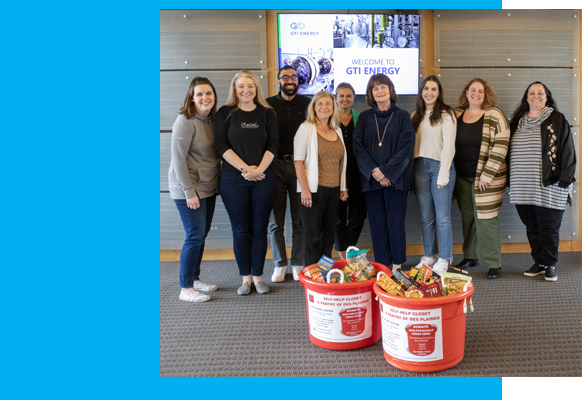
x: 523, y: 106
x: 188, y: 109
x: 439, y: 106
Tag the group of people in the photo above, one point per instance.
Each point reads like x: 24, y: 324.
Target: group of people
x: 337, y: 166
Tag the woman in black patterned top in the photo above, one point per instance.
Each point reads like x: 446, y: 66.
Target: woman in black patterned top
x: 246, y: 135
x: 542, y: 164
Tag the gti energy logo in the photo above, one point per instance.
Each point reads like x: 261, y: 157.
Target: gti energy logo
x: 295, y: 25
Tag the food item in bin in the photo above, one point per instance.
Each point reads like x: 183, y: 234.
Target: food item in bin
x: 404, y: 281
x: 358, y: 267
x: 413, y: 273
x: 325, y: 265
x: 426, y: 276
x: 455, y: 283
x: 389, y: 285
x: 335, y: 276
x: 457, y: 270
x: 370, y: 271
x: 347, y: 270
x: 315, y: 274
x: 356, y: 274
x: 431, y: 290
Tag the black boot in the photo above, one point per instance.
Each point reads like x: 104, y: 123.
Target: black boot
x: 467, y: 262
x: 493, y: 273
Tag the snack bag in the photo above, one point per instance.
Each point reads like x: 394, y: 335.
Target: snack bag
x: 370, y: 271
x: 426, y: 276
x: 430, y: 290
x: 347, y: 271
x: 400, y: 277
x: 389, y: 285
x: 455, y: 283
x: 325, y: 265
x: 412, y: 274
x: 315, y: 274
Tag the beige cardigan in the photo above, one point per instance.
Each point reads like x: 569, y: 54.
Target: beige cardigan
x: 491, y: 167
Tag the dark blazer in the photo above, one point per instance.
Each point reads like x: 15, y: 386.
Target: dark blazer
x: 394, y: 157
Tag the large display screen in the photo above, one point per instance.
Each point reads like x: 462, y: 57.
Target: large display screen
x: 327, y: 49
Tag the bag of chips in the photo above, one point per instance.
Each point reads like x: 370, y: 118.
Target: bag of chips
x: 389, y: 285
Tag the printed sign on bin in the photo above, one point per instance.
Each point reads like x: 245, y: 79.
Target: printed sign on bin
x: 421, y: 339
x: 340, y: 318
x: 412, y: 335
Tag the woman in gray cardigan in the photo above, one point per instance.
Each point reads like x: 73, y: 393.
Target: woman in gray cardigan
x: 193, y: 181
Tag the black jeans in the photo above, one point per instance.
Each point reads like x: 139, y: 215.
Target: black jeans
x: 248, y: 205
x: 543, y: 232
x: 319, y: 223
x: 351, y: 217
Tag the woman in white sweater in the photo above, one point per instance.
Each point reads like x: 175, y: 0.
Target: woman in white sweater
x: 434, y: 171
x: 320, y: 163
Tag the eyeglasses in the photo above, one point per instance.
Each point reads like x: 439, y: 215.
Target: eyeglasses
x: 285, y: 78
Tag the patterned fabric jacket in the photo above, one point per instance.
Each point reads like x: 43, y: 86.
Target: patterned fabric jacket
x: 491, y: 167
x: 558, y: 150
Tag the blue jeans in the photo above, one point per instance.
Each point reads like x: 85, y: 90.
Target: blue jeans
x: 387, y: 214
x: 435, y: 207
x: 196, y: 226
x: 249, y: 205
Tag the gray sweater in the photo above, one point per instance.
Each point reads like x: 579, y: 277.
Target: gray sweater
x: 195, y: 165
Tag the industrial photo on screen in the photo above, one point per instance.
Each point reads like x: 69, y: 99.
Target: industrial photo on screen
x: 329, y: 48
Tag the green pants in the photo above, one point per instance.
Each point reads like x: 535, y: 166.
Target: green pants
x: 481, y: 237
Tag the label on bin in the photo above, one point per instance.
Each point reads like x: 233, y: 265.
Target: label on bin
x: 412, y: 335
x: 340, y: 318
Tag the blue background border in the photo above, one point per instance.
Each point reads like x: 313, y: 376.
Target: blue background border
x: 81, y: 280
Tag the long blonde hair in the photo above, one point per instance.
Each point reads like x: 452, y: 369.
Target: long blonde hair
x: 232, y: 100
x: 333, y: 121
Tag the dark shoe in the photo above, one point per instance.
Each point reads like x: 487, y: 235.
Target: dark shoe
x: 535, y: 270
x: 551, y: 273
x: 467, y: 262
x: 493, y: 273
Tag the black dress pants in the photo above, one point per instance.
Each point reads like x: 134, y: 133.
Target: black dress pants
x: 543, y: 232
x: 319, y: 222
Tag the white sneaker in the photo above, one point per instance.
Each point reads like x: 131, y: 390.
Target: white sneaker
x: 428, y: 261
x: 278, y: 274
x: 205, y: 287
x: 441, y: 265
x: 296, y: 270
x: 193, y: 295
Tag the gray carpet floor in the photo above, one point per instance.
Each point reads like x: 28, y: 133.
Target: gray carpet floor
x: 521, y: 326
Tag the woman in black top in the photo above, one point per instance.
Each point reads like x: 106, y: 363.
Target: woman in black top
x: 351, y: 213
x: 247, y: 137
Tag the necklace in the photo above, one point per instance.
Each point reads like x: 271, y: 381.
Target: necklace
x: 378, y: 129
x: 323, y: 128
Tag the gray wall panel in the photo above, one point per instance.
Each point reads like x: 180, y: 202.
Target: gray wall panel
x: 506, y: 38
x: 510, y: 84
x: 213, y: 39
x: 174, y: 85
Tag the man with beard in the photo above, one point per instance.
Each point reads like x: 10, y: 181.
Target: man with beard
x: 291, y: 109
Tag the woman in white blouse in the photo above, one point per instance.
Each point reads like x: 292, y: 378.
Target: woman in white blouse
x: 320, y: 163
x: 434, y: 172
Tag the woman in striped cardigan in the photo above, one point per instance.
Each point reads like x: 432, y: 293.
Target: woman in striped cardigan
x: 481, y: 146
